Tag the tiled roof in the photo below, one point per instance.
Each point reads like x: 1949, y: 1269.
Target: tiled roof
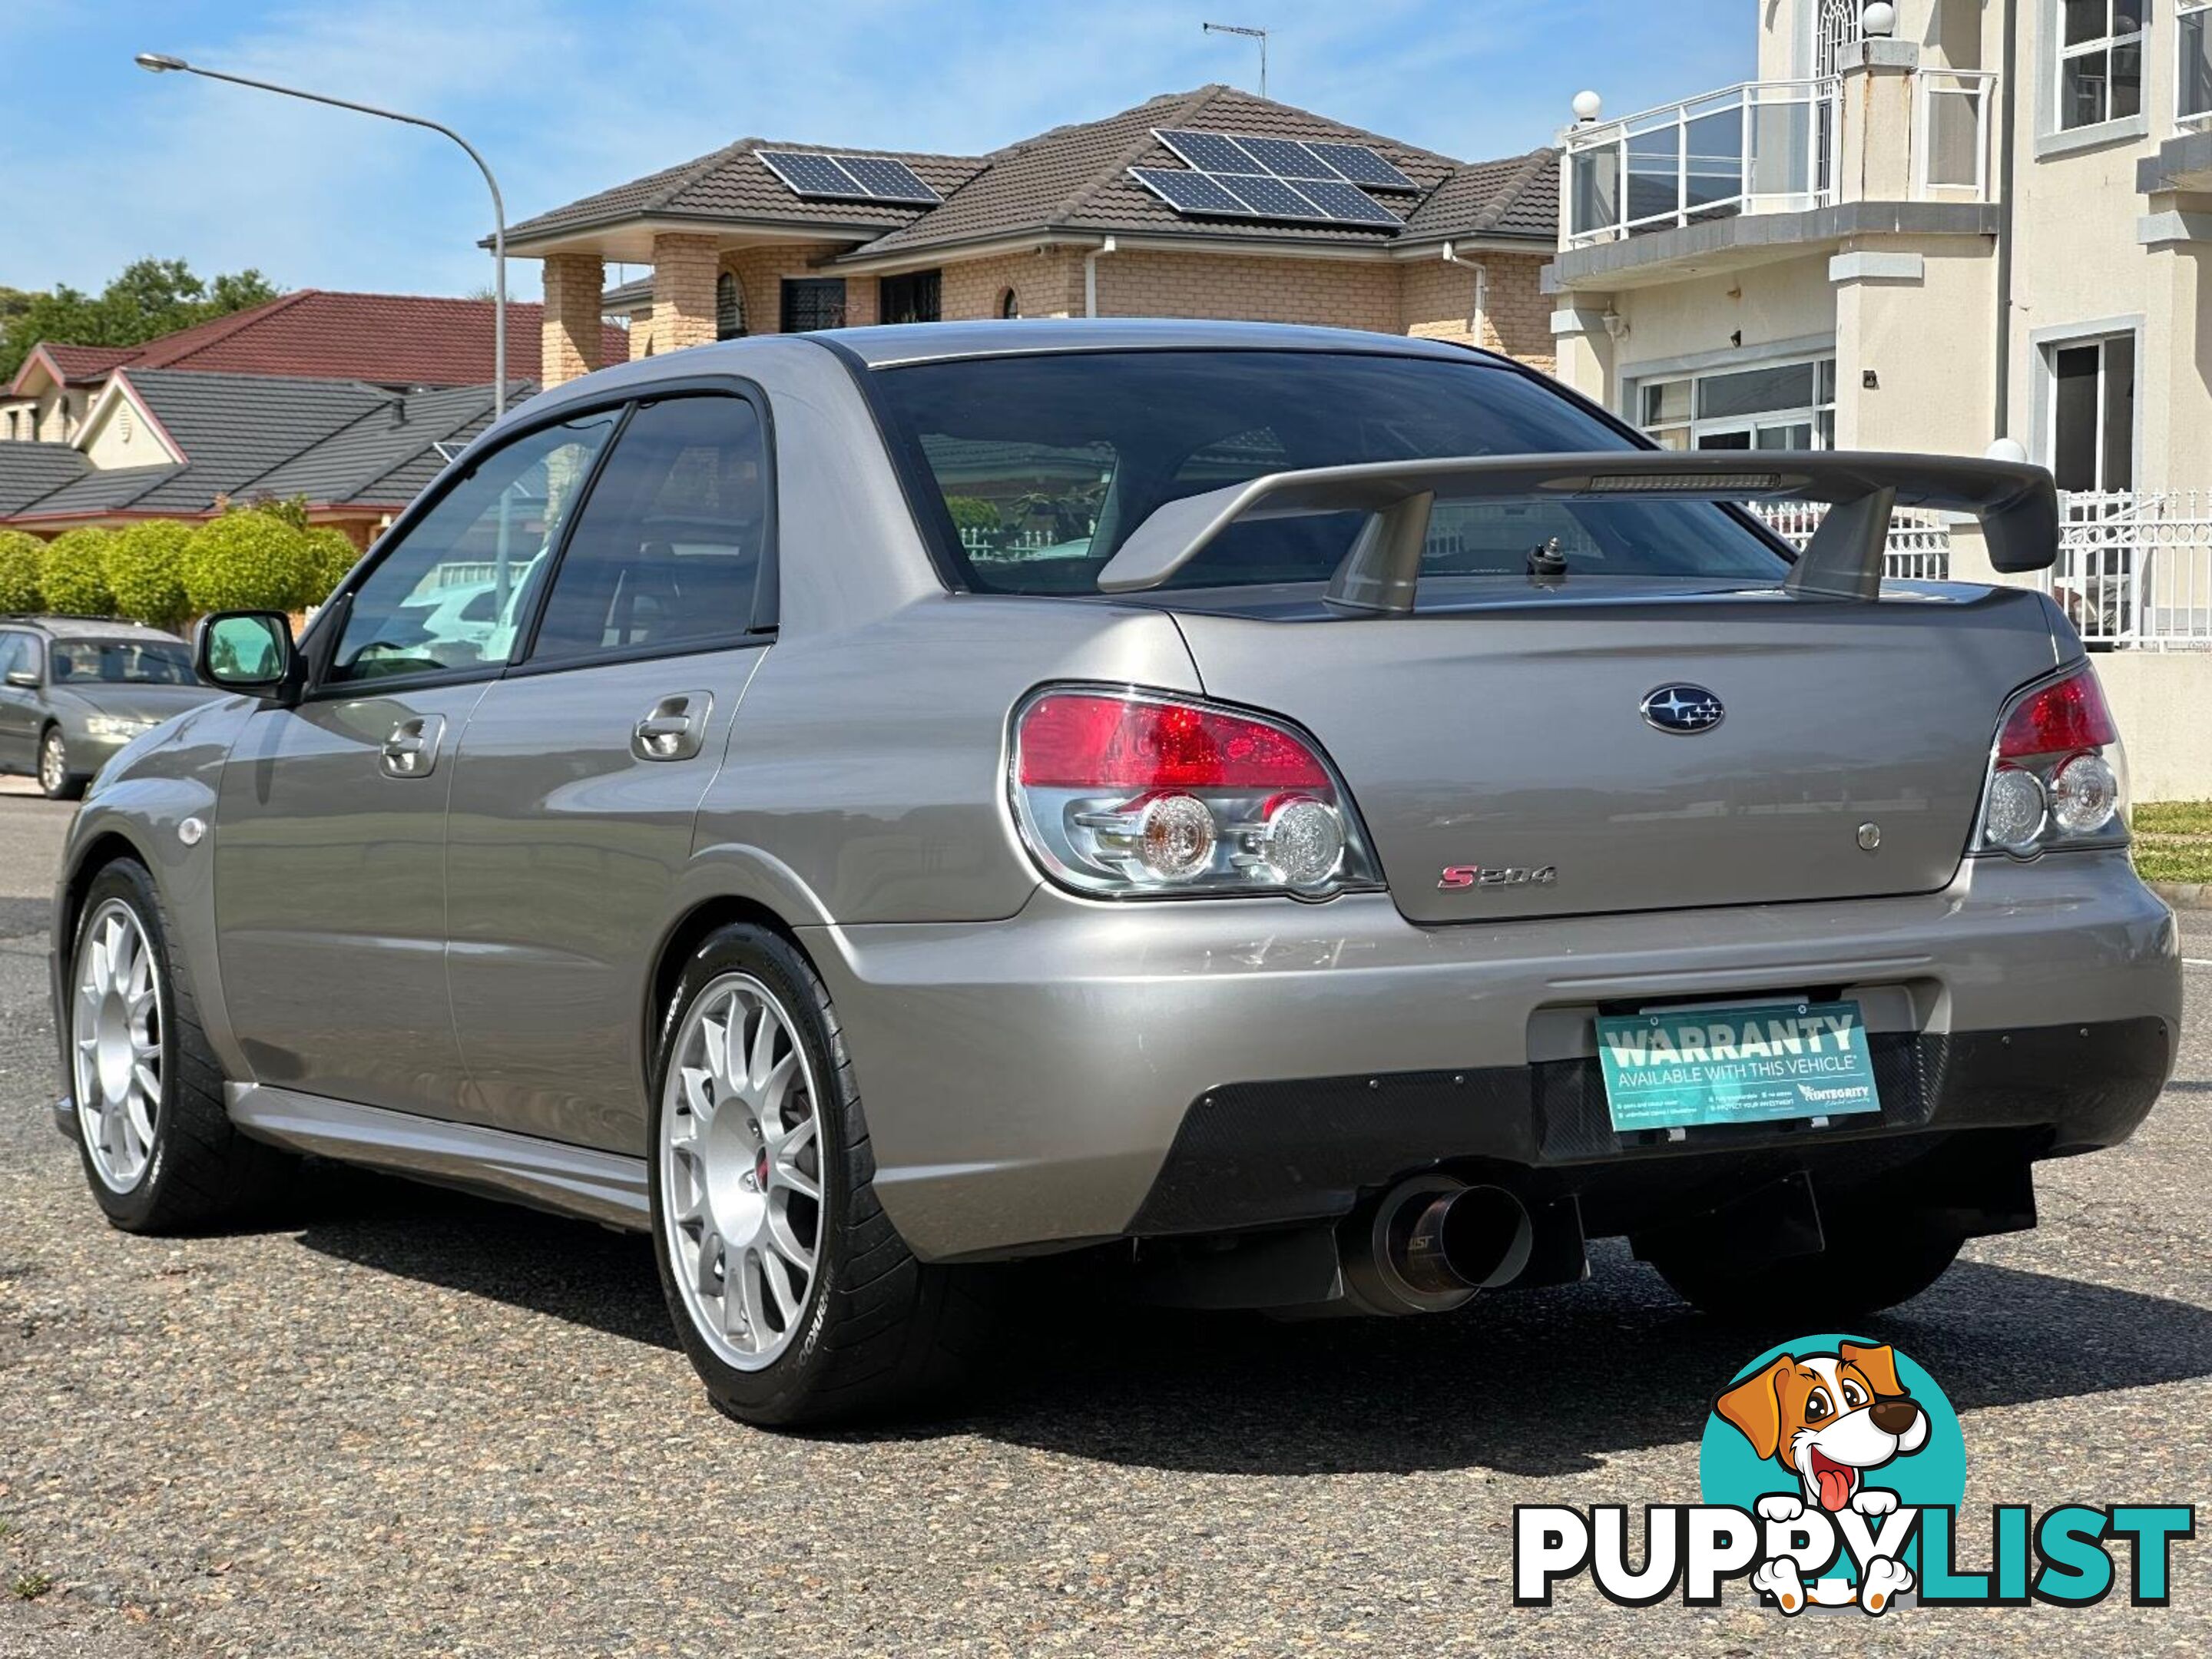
x: 28, y: 470
x: 627, y: 297
x: 734, y: 184
x: 1076, y: 178
x: 336, y: 442
x: 386, y: 339
x: 1516, y: 196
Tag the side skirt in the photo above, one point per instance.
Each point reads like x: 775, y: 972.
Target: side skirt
x: 578, y: 1181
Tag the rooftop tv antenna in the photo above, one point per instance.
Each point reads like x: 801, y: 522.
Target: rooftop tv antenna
x: 1261, y: 35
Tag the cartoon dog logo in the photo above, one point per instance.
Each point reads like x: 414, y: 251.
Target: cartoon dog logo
x: 1829, y: 1418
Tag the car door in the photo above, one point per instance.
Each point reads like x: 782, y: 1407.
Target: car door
x: 578, y: 782
x: 330, y: 849
x: 18, y: 704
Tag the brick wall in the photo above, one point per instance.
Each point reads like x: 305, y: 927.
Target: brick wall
x: 1436, y: 300
x: 683, y: 270
x: 569, y: 336
x: 1333, y: 293
x: 1045, y: 282
x: 760, y: 272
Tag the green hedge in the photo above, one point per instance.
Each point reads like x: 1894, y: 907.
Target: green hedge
x: 249, y: 560
x: 332, y: 554
x: 73, y: 575
x: 20, y: 552
x: 145, y: 566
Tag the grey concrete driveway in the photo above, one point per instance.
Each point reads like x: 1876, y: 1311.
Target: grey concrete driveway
x: 402, y: 1422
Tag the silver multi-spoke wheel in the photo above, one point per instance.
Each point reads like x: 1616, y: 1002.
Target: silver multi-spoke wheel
x: 744, y: 1207
x: 117, y: 1016
x: 53, y: 763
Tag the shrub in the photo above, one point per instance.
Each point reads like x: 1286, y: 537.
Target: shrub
x: 248, y: 561
x: 331, y: 555
x: 972, y: 512
x: 20, y: 552
x: 145, y: 567
x: 73, y: 576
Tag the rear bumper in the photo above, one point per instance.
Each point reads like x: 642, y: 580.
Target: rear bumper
x: 1086, y: 1071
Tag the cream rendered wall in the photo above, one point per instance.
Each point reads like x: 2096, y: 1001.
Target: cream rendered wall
x: 120, y: 437
x: 1702, y: 318
x: 1929, y: 344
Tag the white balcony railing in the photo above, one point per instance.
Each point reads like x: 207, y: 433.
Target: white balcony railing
x: 2134, y: 571
x: 1919, y: 542
x: 1761, y: 147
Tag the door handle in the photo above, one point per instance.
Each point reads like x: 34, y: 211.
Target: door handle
x: 411, y: 750
x: 674, y: 729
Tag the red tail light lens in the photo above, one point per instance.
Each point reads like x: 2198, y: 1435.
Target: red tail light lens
x: 2058, y: 777
x: 1076, y: 740
x: 1131, y: 795
x: 2067, y: 715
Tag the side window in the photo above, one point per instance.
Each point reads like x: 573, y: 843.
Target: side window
x: 16, y: 655
x: 484, y: 545
x: 668, y: 548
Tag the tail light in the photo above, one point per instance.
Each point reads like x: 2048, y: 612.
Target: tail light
x: 2058, y: 775
x: 1126, y: 794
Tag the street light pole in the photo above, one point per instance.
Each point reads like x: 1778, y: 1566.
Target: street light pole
x: 157, y: 63
x: 1261, y: 35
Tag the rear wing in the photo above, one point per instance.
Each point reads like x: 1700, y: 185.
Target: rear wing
x: 2016, y: 504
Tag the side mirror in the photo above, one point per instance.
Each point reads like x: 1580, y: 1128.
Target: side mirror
x: 24, y: 679
x: 248, y: 651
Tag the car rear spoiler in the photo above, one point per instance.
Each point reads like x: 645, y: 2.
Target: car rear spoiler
x: 2017, y: 505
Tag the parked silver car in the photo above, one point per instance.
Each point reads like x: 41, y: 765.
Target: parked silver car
x: 1322, y: 821
x: 74, y: 690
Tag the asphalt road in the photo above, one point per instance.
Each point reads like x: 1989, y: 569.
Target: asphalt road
x: 404, y: 1422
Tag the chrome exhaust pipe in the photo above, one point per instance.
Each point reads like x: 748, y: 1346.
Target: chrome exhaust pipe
x: 1432, y: 1241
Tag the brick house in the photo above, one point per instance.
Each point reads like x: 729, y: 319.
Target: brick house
x: 1100, y: 218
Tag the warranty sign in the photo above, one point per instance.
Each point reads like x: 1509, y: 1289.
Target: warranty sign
x: 1684, y: 1067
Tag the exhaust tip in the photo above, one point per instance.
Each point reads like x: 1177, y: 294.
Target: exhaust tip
x: 1432, y: 1242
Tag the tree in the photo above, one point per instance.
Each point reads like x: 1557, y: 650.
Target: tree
x: 333, y: 556
x: 19, y: 553
x: 72, y: 575
x: 248, y: 561
x: 145, y: 568
x: 148, y: 298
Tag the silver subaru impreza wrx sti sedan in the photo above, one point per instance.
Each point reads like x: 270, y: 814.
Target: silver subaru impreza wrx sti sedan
x: 1323, y: 821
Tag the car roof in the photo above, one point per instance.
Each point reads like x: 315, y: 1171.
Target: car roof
x: 882, y: 346
x: 88, y: 628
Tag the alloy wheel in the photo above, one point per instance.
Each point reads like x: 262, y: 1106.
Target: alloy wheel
x: 119, y: 1013
x: 743, y: 1203
x: 53, y: 763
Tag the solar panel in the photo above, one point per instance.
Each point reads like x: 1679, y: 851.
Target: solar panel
x: 850, y: 178
x: 888, y: 181
x: 1347, y: 204
x: 1286, y: 159
x: 1268, y: 198
x: 1187, y: 193
x: 809, y: 175
x: 1210, y: 152
x: 1363, y: 166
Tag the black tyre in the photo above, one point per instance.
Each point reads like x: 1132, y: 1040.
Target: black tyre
x: 1871, y: 1262
x: 56, y: 781
x: 791, y: 1291
x: 158, y: 1147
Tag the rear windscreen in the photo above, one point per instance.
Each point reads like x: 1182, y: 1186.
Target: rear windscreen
x: 1043, y: 465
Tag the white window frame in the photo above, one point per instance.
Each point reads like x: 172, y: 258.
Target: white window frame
x: 2046, y: 344
x: 2188, y: 119
x: 2107, y: 43
x: 1977, y: 90
x: 1697, y: 426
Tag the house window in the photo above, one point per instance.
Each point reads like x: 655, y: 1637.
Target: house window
x: 810, y: 302
x: 2193, y: 99
x: 1774, y: 406
x: 2100, y: 61
x: 916, y: 296
x: 2092, y: 412
x: 729, y: 307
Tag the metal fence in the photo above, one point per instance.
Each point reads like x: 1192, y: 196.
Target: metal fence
x: 1919, y: 542
x: 2134, y: 570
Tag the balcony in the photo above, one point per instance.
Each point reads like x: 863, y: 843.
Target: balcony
x: 1778, y: 169
x: 1760, y: 147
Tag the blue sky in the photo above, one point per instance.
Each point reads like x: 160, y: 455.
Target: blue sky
x: 101, y: 162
